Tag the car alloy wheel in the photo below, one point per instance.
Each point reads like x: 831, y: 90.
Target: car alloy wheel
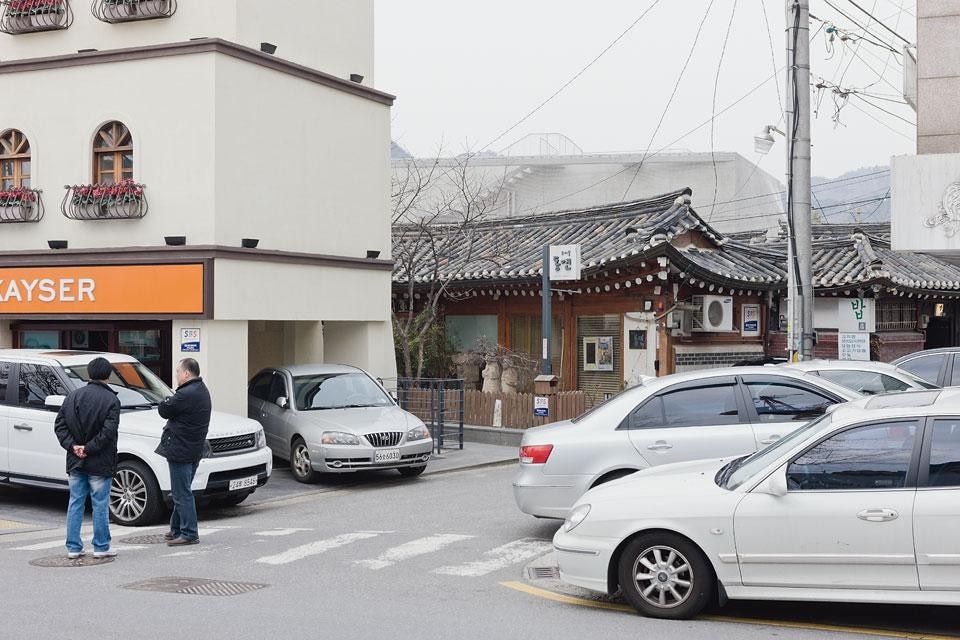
x: 300, y: 461
x: 128, y: 495
x: 663, y: 577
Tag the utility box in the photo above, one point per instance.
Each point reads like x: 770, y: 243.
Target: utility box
x: 546, y: 385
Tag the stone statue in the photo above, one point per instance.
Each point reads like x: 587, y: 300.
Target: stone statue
x: 510, y: 380
x: 468, y: 369
x: 491, y: 377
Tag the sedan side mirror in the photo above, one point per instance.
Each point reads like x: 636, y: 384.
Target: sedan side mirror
x: 282, y: 402
x: 54, y: 402
x: 775, y: 485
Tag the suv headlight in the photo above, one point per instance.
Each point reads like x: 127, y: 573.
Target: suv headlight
x: 576, y: 516
x: 418, y: 433
x: 339, y: 437
x: 261, y: 439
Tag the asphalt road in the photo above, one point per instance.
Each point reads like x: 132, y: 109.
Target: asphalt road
x: 441, y: 556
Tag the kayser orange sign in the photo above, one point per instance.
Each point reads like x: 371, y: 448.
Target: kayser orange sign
x: 142, y: 289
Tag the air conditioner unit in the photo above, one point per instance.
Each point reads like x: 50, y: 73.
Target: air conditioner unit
x: 679, y: 322
x: 714, y: 313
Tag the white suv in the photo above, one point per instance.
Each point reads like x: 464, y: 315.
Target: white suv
x: 32, y: 387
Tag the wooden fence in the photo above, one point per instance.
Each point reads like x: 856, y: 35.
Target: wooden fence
x: 516, y: 409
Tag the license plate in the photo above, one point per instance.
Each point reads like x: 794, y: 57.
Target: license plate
x: 387, y: 455
x: 243, y: 483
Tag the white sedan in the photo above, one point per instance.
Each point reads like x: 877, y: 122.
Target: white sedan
x: 862, y: 505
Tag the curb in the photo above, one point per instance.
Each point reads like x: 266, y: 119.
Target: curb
x: 479, y: 465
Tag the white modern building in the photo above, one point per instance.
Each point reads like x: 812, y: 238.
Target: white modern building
x: 186, y: 131
x: 544, y: 173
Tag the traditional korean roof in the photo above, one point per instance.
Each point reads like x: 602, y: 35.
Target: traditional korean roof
x: 510, y: 250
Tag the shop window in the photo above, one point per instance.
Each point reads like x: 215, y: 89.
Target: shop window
x: 32, y: 339
x: 14, y: 160
x: 113, y: 154
x: 897, y: 315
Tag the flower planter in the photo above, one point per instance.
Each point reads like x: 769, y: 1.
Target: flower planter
x: 20, y: 23
x: 16, y: 213
x: 119, y: 11
x: 152, y: 8
x: 46, y: 20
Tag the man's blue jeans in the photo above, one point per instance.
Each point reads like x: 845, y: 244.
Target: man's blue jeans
x: 98, y: 488
x: 183, y: 520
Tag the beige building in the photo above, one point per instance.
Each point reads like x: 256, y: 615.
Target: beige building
x: 926, y: 186
x: 183, y: 135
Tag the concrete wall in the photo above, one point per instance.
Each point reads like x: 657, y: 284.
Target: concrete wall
x: 919, y: 186
x: 168, y: 105
x: 223, y: 360
x: 366, y: 345
x: 301, y: 166
x: 938, y: 76
x: 276, y: 343
x: 335, y: 36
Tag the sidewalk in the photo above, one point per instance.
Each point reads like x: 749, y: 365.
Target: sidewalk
x: 473, y: 454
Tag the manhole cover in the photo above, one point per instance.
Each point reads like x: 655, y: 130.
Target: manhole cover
x: 543, y: 573
x: 196, y: 586
x: 64, y: 561
x: 154, y: 539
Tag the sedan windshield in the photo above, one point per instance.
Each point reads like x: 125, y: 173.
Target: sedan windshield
x: 338, y: 391
x: 136, y: 386
x: 742, y: 469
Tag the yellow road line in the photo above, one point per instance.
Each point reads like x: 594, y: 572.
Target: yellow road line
x: 809, y: 626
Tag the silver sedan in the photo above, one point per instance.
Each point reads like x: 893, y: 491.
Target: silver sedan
x: 867, y: 378
x: 705, y: 414
x: 335, y: 419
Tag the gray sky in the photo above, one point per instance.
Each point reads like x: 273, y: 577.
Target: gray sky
x: 464, y: 72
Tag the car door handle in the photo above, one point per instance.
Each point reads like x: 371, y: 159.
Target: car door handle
x: 23, y: 427
x: 770, y: 440
x: 878, y: 515
x: 660, y: 446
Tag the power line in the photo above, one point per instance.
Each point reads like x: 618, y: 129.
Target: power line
x: 876, y: 106
x: 773, y: 55
x: 713, y: 111
x: 862, y: 28
x: 878, y: 21
x: 574, y: 78
x: 880, y: 122
x: 673, y: 94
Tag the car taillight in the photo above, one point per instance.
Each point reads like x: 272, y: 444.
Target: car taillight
x: 536, y: 454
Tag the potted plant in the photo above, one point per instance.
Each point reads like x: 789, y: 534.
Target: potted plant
x: 17, y: 204
x: 123, y: 199
x: 87, y: 200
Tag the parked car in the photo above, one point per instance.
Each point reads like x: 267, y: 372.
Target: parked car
x: 857, y: 506
x: 866, y: 378
x: 33, y: 384
x: 688, y: 416
x: 938, y: 366
x: 336, y: 419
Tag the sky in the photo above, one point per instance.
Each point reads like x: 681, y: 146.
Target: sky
x: 466, y: 72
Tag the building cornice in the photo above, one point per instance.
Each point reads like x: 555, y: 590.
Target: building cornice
x: 200, y: 45
x: 168, y: 255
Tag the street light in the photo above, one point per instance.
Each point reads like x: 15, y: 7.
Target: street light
x: 763, y: 141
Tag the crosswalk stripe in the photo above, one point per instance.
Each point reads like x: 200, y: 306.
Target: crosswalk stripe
x: 279, y: 532
x: 499, y: 558
x: 411, y: 549
x: 318, y: 547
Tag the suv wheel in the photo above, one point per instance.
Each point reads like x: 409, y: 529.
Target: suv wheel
x: 135, y: 495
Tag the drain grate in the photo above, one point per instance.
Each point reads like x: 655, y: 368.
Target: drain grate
x: 154, y: 539
x: 196, y: 586
x: 543, y: 573
x: 64, y: 561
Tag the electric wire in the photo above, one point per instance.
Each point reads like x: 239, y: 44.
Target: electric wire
x: 713, y: 112
x: 881, y: 122
x: 890, y: 113
x: 576, y: 76
x: 860, y: 26
x: 878, y: 21
x: 673, y: 94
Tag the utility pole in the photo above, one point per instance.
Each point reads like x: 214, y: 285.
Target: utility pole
x: 546, y: 364
x: 798, y: 178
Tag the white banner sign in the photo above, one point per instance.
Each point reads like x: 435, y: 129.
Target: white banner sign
x: 565, y: 262
x: 856, y: 315
x: 854, y: 346
x: 750, y: 326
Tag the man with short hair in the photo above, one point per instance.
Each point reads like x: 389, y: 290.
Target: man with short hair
x: 188, y: 419
x: 87, y: 426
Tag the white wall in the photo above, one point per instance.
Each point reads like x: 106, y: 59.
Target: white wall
x: 301, y: 166
x: 168, y: 105
x: 366, y: 345
x: 335, y: 36
x: 919, y: 184
x: 222, y: 358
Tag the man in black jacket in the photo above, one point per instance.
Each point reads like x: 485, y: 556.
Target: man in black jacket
x: 87, y: 426
x: 188, y: 419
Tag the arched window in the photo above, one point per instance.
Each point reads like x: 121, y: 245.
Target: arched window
x: 113, y: 154
x: 14, y: 160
